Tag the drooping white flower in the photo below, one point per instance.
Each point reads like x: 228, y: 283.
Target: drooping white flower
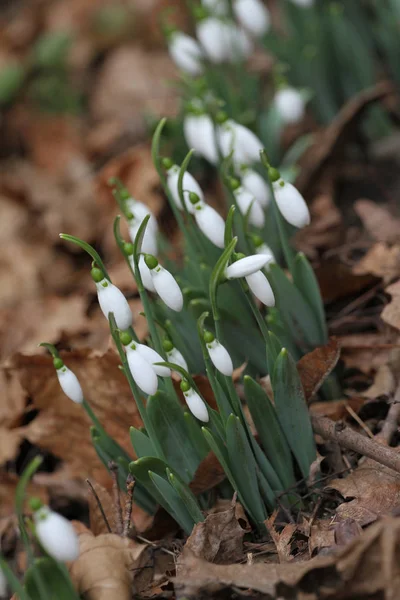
x: 199, y: 134
x: 260, y: 286
x: 111, y: 299
x: 176, y: 357
x: 153, y: 357
x: 56, y: 534
x: 144, y: 273
x: 252, y: 15
x: 141, y: 370
x: 149, y: 242
x: 216, y: 7
x: 68, y: 381
x: 246, y: 201
x: 139, y: 211
x: 219, y: 355
x: 223, y: 41
x: 195, y: 403
x: 291, y: 204
x: 189, y: 185
x: 165, y: 284
x: 252, y: 181
x: 211, y: 224
x: 263, y: 248
x: 290, y: 105
x: 244, y: 143
x: 246, y: 266
x: 186, y: 53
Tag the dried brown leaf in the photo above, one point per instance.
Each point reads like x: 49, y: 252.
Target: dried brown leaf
x: 282, y: 539
x: 331, y: 271
x: 322, y: 535
x: 336, y: 409
x: 315, y: 366
x: 378, y: 221
x: 391, y: 312
x: 382, y: 261
x: 96, y: 519
x: 209, y: 473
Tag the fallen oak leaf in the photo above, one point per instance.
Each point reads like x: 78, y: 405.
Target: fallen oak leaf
x: 378, y: 221
x: 314, y: 367
x: 382, y: 261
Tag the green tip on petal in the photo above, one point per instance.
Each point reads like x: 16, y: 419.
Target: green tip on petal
x: 167, y: 163
x: 35, y: 504
x: 58, y: 363
x: 208, y: 337
x: 273, y: 174
x: 168, y: 345
x: 185, y: 386
x: 193, y: 197
x: 150, y: 261
x: 128, y: 248
x: 97, y: 274
x: 125, y: 338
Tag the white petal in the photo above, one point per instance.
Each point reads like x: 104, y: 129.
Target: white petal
x: 111, y: 299
x: 199, y: 134
x: 211, y: 224
x: 140, y: 211
x: 149, y: 243
x: 144, y: 273
x: 290, y: 105
x: 212, y: 35
x: 246, y: 266
x: 259, y: 285
x: 216, y: 7
x: 167, y: 288
x: 70, y: 385
x: 153, y: 357
x: 245, y: 200
x: 56, y: 534
x: 291, y: 204
x: 245, y: 144
x: 196, y: 405
x: 189, y: 185
x: 264, y: 249
x: 186, y: 53
x: 220, y: 357
x: 176, y: 357
x: 252, y: 15
x: 142, y: 372
x: 257, y: 185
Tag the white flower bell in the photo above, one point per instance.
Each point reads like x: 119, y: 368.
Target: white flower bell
x: 153, y: 357
x: 199, y: 134
x: 174, y: 355
x: 219, y: 355
x: 253, y: 16
x: 252, y: 181
x: 236, y: 138
x: 186, y: 53
x: 56, y: 534
x: 223, y: 41
x: 261, y: 288
x: 290, y: 105
x: 210, y: 223
x: 165, y: 284
x: 291, y: 203
x: 111, y: 299
x: 247, y: 203
x: 149, y: 242
x: 145, y: 274
x: 68, y: 381
x: 141, y: 370
x: 139, y: 211
x: 263, y: 248
x: 246, y: 266
x: 189, y: 185
x: 195, y: 403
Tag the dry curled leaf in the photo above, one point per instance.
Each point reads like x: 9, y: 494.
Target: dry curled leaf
x: 315, y: 366
x: 378, y: 221
x: 391, y: 312
x: 382, y: 261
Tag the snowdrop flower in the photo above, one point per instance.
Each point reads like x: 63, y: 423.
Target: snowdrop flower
x: 138, y: 211
x: 55, y: 533
x: 223, y: 41
x: 210, y: 223
x: 141, y: 369
x: 186, y: 53
x: 216, y: 7
x: 263, y: 248
x: 174, y: 355
x: 199, y: 134
x: 246, y: 265
x: 252, y: 15
x: 68, y: 381
x: 290, y: 202
x: 149, y: 242
x: 261, y: 288
x: 247, y: 202
x: 290, y: 105
x: 153, y: 357
x: 189, y: 185
x: 111, y: 299
x: 195, y: 403
x: 143, y: 268
x: 219, y: 355
x: 244, y: 143
x: 165, y: 284
x: 252, y: 181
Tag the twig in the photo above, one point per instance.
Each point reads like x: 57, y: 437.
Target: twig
x: 103, y: 514
x: 350, y: 439
x: 116, y: 496
x: 130, y: 486
x: 359, y: 421
x: 154, y: 545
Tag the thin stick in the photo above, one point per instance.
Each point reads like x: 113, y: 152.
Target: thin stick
x: 359, y: 421
x: 130, y: 486
x: 103, y: 514
x: 350, y: 439
x: 116, y: 496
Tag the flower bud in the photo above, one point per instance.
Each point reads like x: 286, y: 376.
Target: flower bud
x: 175, y: 356
x: 68, y: 381
x: 223, y: 41
x: 263, y: 248
x: 260, y: 287
x: 189, y: 184
x: 291, y: 204
x: 219, y: 355
x: 253, y: 16
x: 145, y: 274
x: 199, y: 134
x: 244, y: 143
x: 139, y: 211
x: 257, y: 185
x: 153, y: 357
x: 211, y: 224
x: 247, y: 202
x: 195, y: 403
x: 246, y: 266
x: 149, y: 242
x: 111, y: 299
x: 290, y: 105
x: 186, y: 53
x: 56, y: 534
x: 141, y: 370
x: 165, y: 284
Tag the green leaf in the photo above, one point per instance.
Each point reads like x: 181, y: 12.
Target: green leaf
x: 228, y: 234
x: 51, y: 50
x: 187, y: 497
x: 13, y: 581
x: 271, y: 435
x: 170, y: 427
x: 194, y: 432
x: 243, y: 466
x: 273, y: 348
x: 55, y: 580
x: 11, y: 79
x: 218, y: 274
x: 304, y: 278
x: 292, y: 411
x: 89, y: 249
x: 176, y: 506
x: 141, y: 443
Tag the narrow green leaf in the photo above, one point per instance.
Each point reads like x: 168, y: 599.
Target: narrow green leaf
x: 55, y: 579
x: 305, y: 280
x: 194, y: 432
x: 218, y: 273
x: 173, y: 500
x: 89, y: 249
x: 13, y: 581
x: 187, y: 497
x: 228, y: 235
x: 141, y: 443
